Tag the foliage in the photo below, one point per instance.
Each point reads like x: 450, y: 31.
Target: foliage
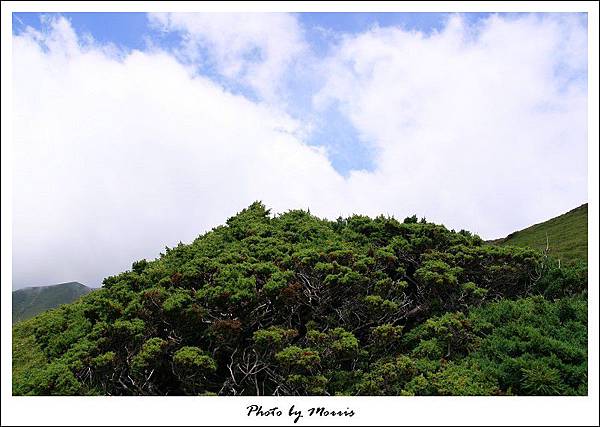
x: 297, y: 305
x: 192, y: 366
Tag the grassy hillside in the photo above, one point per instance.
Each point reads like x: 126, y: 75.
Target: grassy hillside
x: 567, y: 236
x: 27, y: 355
x: 29, y: 302
x: 297, y: 305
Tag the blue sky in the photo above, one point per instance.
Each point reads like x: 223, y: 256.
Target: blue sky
x: 347, y: 151
x: 130, y: 29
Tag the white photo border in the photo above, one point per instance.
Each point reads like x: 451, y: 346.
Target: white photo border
x: 386, y: 410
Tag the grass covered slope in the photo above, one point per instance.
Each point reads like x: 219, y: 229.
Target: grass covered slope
x: 567, y: 236
x: 29, y: 302
x: 27, y: 356
x: 297, y: 305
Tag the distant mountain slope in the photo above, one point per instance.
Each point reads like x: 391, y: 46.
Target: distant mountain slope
x: 567, y: 236
x: 28, y: 302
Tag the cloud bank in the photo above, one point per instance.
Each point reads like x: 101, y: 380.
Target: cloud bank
x: 255, y: 49
x: 117, y: 154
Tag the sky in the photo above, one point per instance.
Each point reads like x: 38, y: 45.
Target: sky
x: 137, y: 131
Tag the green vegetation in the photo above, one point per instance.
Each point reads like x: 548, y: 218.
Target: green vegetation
x: 567, y: 236
x: 28, y: 302
x: 297, y: 305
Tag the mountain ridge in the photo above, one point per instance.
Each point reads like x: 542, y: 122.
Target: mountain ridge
x: 30, y: 301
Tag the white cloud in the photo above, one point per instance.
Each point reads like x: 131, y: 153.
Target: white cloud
x: 475, y: 127
x: 117, y: 155
x: 254, y: 48
x: 115, y: 158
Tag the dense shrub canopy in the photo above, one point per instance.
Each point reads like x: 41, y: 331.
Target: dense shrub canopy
x: 296, y: 305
